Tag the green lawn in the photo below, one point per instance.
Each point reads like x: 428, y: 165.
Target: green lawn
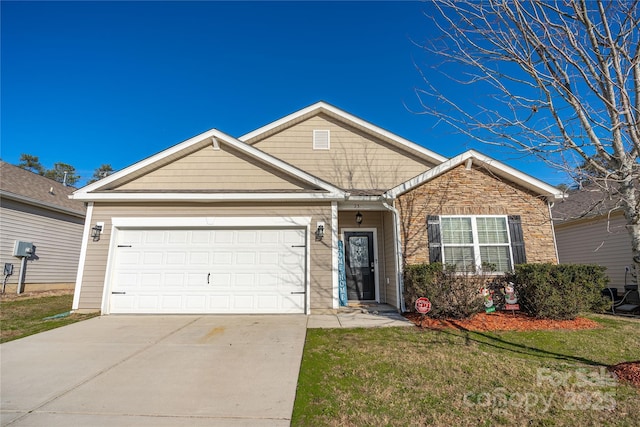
x: 408, y: 376
x: 25, y: 316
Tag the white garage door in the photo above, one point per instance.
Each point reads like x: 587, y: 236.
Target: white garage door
x: 209, y: 271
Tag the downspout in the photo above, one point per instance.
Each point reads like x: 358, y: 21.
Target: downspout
x: 398, y: 257
x: 553, y: 230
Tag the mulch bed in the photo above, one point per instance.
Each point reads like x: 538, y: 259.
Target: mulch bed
x: 628, y: 371
x: 508, y: 321
x: 501, y: 321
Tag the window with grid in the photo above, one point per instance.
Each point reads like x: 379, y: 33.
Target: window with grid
x: 469, y: 242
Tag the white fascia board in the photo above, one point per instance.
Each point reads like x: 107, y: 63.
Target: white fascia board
x: 217, y: 136
x: 493, y: 165
x: 205, y: 222
x: 436, y: 158
x: 206, y: 197
x: 146, y: 162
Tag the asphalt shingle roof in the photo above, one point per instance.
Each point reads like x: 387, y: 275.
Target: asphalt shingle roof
x: 37, y: 190
x: 587, y: 202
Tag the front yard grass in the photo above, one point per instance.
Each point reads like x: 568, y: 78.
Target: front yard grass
x: 408, y: 376
x: 23, y: 317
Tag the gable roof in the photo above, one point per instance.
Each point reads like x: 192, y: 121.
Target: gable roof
x: 343, y: 116
x: 100, y: 190
x: 494, y: 166
x: 36, y: 190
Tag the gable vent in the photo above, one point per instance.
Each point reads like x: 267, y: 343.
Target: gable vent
x: 320, y: 139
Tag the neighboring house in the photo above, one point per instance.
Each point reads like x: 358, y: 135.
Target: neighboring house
x: 37, y: 210
x: 591, y: 229
x: 217, y: 224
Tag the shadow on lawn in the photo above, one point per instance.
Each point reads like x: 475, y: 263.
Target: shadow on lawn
x: 502, y: 344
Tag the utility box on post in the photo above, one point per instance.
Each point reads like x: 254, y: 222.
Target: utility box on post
x: 23, y: 249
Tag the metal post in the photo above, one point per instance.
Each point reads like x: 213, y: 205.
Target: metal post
x: 23, y: 268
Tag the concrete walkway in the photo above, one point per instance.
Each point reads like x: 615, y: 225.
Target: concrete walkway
x: 155, y: 371
x: 359, y: 318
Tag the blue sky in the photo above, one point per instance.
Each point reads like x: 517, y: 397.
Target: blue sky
x: 88, y: 83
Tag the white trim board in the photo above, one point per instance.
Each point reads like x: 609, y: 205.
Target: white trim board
x: 493, y: 165
x: 347, y: 117
x: 85, y: 193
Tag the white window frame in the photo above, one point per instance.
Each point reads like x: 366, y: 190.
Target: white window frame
x: 476, y: 244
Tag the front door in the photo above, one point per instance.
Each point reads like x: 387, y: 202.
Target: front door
x: 360, y: 265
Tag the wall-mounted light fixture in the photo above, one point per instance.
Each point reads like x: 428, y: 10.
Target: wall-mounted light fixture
x: 320, y: 231
x: 358, y: 218
x: 95, y: 232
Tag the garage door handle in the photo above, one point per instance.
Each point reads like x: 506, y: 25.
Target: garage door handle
x: 118, y: 293
x: 298, y: 293
x: 208, y: 276
x: 298, y: 246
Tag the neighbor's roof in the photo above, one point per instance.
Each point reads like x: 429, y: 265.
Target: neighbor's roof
x: 33, y: 189
x: 590, y: 201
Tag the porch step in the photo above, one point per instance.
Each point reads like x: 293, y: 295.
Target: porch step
x: 367, y: 307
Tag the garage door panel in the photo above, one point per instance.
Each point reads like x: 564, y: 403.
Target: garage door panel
x: 199, y: 258
x: 209, y: 271
x: 154, y: 236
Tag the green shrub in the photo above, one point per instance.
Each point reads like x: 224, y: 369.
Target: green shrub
x: 559, y: 291
x: 452, y: 294
x: 417, y: 280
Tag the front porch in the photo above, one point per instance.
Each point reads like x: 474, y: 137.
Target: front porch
x: 367, y: 231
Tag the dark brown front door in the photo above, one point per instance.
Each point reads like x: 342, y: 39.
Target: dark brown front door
x: 360, y: 265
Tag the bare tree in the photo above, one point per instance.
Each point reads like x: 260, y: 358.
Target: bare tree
x: 562, y: 82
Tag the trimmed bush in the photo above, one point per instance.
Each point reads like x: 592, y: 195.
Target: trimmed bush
x: 452, y: 294
x: 417, y: 280
x: 562, y: 291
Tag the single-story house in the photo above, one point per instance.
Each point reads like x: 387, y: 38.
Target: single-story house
x: 257, y: 224
x: 38, y: 212
x: 591, y: 229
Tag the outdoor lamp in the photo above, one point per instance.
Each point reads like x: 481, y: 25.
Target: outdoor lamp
x: 358, y: 218
x: 95, y: 232
x: 320, y: 232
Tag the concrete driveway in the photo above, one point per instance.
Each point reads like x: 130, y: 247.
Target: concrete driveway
x: 155, y: 371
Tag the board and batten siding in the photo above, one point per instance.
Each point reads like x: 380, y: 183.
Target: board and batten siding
x: 597, y: 241
x: 56, y: 236
x: 95, y: 268
x: 353, y: 161
x: 210, y: 169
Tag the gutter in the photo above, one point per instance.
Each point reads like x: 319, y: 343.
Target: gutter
x: 398, y: 257
x: 38, y: 203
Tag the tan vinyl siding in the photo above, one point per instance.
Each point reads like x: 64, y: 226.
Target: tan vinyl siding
x: 320, y: 252
x: 370, y: 219
x: 208, y: 169
x: 391, y: 296
x: 56, y: 236
x: 597, y: 241
x: 355, y: 160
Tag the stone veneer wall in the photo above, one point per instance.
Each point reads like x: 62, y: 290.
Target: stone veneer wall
x: 474, y: 192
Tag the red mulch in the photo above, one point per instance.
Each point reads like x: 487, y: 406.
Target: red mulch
x: 628, y: 371
x: 501, y: 321
x: 508, y: 321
